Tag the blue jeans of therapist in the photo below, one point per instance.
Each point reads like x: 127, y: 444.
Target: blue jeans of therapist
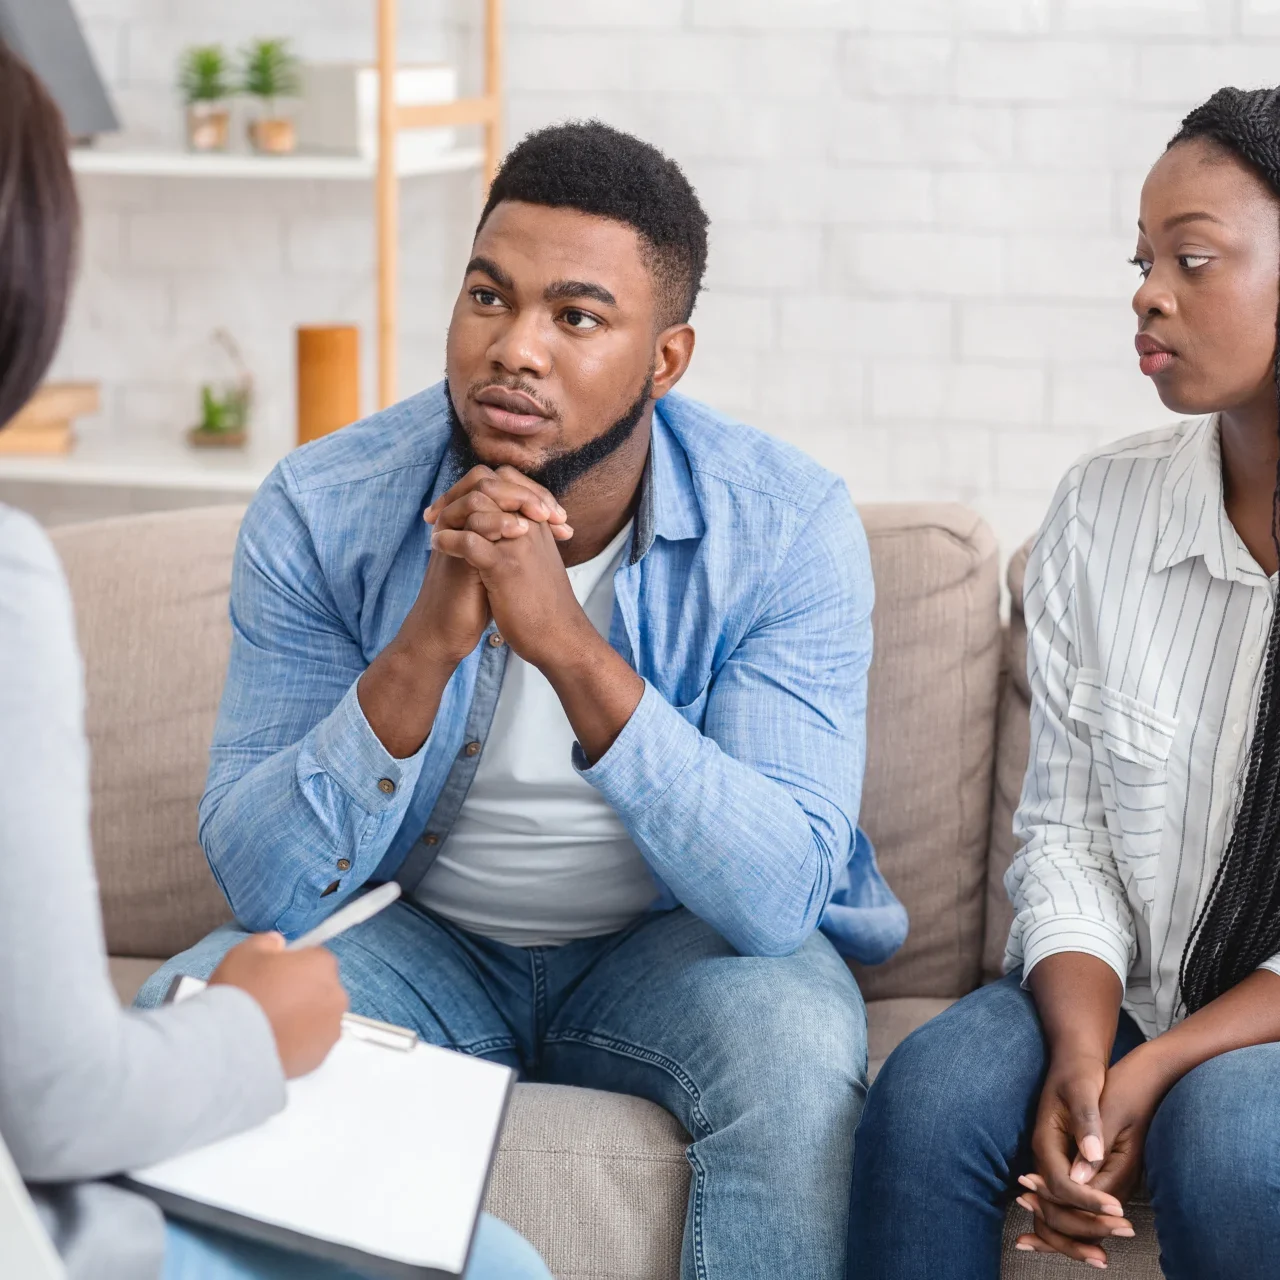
x: 195, y: 1253
x: 947, y: 1131
x: 763, y: 1061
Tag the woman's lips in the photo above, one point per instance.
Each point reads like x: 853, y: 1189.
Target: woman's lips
x: 1153, y: 356
x: 1155, y: 362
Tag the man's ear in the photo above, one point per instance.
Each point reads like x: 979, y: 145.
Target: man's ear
x: 672, y: 353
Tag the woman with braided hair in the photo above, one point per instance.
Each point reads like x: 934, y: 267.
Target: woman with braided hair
x: 1139, y: 1024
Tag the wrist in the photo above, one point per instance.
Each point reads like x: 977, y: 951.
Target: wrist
x: 568, y: 650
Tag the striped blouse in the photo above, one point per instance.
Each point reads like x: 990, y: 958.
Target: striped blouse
x: 1147, y: 622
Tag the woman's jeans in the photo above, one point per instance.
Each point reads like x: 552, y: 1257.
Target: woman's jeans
x: 947, y: 1131
x: 194, y: 1253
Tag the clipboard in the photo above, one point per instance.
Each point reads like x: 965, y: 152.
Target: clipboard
x: 380, y: 1159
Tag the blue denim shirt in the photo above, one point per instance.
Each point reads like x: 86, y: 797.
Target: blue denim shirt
x: 745, y: 605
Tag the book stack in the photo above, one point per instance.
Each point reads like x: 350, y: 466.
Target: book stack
x: 43, y: 424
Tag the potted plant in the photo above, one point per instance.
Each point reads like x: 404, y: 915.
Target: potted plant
x: 271, y: 73
x: 204, y: 80
x: 225, y: 407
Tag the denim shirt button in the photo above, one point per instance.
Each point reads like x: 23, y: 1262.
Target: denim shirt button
x: 472, y: 748
x: 386, y: 786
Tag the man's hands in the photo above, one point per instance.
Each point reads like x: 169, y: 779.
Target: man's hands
x: 299, y: 991
x: 524, y: 581
x: 532, y: 601
x: 452, y: 609
x: 1088, y: 1150
x: 400, y: 692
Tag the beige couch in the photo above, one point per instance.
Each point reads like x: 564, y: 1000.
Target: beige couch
x: 597, y: 1181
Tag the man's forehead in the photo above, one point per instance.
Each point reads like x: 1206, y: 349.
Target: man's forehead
x: 539, y: 244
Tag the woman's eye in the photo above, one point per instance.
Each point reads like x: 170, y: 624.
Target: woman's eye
x: 1143, y: 265
x: 583, y: 320
x: 1190, y: 261
x: 486, y: 297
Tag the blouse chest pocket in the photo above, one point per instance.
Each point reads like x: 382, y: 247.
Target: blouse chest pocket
x: 1131, y: 746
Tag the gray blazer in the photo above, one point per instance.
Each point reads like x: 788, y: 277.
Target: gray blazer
x: 88, y: 1090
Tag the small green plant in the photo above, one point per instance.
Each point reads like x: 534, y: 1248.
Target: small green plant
x: 204, y: 74
x: 225, y: 407
x: 223, y: 411
x: 270, y: 71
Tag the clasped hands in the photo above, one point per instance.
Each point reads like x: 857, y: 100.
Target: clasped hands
x: 1088, y: 1142
x: 497, y: 533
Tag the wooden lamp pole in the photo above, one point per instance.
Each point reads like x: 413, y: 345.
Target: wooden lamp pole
x: 485, y: 110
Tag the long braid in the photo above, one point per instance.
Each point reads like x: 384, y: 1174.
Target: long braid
x: 1239, y: 925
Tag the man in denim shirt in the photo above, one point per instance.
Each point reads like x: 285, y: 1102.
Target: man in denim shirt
x: 583, y: 666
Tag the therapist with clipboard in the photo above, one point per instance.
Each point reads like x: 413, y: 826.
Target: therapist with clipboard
x: 88, y: 1090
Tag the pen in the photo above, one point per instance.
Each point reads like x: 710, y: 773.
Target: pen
x: 363, y: 908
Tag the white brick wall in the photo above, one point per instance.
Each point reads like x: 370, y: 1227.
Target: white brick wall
x: 921, y: 211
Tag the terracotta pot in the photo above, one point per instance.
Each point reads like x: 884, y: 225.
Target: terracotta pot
x: 198, y: 438
x: 208, y: 126
x: 276, y: 137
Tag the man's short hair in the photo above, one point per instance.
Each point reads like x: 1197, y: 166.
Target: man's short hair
x: 589, y: 166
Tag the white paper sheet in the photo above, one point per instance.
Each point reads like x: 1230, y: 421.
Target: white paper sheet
x: 381, y: 1150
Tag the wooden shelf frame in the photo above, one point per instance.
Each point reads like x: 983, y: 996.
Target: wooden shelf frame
x: 484, y: 110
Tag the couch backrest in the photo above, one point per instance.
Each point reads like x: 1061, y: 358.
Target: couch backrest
x: 931, y: 737
x: 1014, y: 746
x: 151, y: 609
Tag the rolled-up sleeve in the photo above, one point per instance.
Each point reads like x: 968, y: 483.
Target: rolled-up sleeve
x: 745, y: 803
x: 1064, y: 883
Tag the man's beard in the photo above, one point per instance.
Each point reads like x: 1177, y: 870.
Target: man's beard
x: 559, y: 472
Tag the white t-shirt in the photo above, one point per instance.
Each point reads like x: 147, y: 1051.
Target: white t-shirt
x: 537, y: 857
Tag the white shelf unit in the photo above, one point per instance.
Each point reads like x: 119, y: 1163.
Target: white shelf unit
x: 186, y: 164
x: 168, y: 462
x: 146, y: 462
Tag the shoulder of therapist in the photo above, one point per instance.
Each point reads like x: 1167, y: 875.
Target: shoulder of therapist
x: 729, y: 501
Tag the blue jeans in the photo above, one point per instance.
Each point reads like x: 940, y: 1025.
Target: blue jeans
x: 947, y: 1132
x: 762, y: 1060
x: 194, y: 1253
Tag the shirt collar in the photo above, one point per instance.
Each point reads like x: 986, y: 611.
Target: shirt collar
x: 1193, y: 513
x: 668, y: 506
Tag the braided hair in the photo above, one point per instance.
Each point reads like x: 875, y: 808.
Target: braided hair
x: 1239, y: 925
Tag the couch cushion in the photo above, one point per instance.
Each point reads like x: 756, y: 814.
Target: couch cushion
x: 1013, y: 745
x: 128, y: 973
x: 597, y: 1181
x: 151, y: 609
x: 889, y: 1022
x: 1136, y: 1259
x: 931, y: 737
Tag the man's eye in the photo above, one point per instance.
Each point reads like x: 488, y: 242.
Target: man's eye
x: 1193, y: 260
x: 584, y: 320
x: 1143, y: 265
x: 486, y: 297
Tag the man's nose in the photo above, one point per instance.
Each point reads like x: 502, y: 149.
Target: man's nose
x: 521, y: 346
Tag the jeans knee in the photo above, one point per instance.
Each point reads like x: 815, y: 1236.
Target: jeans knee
x: 1213, y: 1166
x: 792, y: 1054
x: 196, y: 962
x: 1213, y: 1141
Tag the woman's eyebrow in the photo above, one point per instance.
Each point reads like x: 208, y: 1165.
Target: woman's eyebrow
x: 1197, y: 215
